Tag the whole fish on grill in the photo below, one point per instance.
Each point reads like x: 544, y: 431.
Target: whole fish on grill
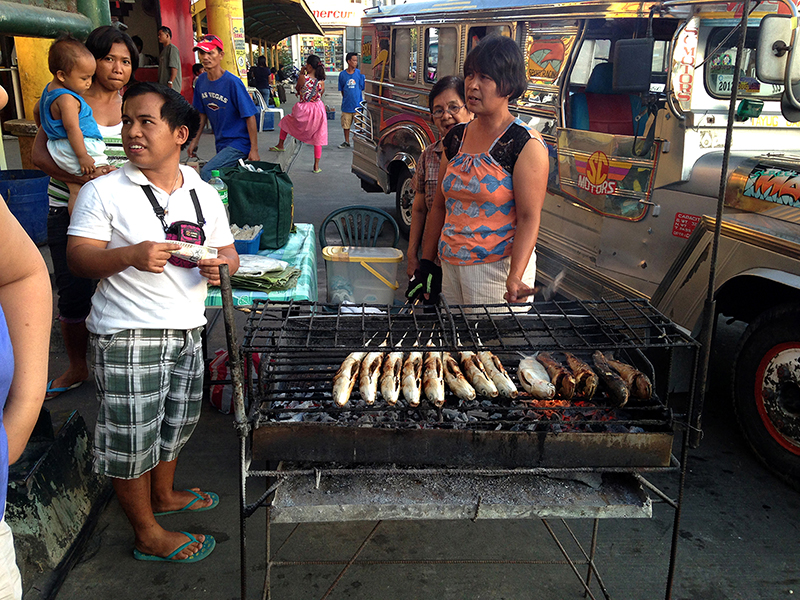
x: 638, y: 383
x: 559, y: 375
x: 534, y: 379
x: 390, y: 377
x: 586, y: 379
x: 345, y: 378
x: 617, y: 389
x: 411, y: 378
x: 494, y: 368
x: 369, y: 375
x: 433, y: 378
x: 455, y: 379
x: 477, y: 376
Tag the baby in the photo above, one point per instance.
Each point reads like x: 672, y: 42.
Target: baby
x: 74, y: 140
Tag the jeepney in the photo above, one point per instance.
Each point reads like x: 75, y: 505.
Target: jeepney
x: 632, y: 99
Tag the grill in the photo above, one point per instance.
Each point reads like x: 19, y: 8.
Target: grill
x: 302, y: 346
x: 485, y: 458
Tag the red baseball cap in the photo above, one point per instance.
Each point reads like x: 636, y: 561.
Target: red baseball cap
x: 208, y: 43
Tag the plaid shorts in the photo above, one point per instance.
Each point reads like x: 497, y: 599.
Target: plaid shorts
x: 150, y: 387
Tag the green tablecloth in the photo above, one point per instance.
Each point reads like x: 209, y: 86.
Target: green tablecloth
x: 301, y: 252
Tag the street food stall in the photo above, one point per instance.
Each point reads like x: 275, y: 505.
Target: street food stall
x: 334, y: 455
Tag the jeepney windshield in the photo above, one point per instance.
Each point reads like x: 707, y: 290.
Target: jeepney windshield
x: 721, y: 64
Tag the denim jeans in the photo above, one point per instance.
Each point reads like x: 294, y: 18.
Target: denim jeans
x: 225, y: 158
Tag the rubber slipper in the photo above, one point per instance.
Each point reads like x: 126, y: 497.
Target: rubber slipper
x: 316, y: 170
x: 188, y: 507
x: 53, y: 392
x: 207, y: 548
x: 276, y: 149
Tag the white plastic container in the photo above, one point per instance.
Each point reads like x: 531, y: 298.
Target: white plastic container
x: 361, y: 274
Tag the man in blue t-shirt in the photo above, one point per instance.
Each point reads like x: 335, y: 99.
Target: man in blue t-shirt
x: 351, y: 84
x: 222, y: 99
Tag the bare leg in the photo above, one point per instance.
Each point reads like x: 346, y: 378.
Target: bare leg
x: 151, y: 538
x: 346, y: 135
x: 76, y: 339
x: 163, y: 496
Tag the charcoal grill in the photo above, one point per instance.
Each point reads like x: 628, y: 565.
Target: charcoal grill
x: 308, y: 443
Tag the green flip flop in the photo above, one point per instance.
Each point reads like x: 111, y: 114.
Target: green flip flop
x: 207, y: 548
x: 188, y: 507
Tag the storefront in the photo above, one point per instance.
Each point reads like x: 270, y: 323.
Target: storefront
x: 341, y: 23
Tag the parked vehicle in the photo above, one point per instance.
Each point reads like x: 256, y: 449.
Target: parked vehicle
x: 632, y: 100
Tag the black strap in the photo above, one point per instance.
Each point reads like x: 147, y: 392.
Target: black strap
x: 650, y: 109
x: 157, y: 208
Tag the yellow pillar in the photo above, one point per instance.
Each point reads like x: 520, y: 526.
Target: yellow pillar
x: 225, y: 19
x: 33, y: 72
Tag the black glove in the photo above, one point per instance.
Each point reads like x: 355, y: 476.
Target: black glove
x: 429, y: 281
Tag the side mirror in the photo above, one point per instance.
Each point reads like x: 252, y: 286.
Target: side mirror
x: 774, y: 37
x: 633, y: 60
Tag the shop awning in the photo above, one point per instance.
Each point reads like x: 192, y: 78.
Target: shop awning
x: 274, y: 20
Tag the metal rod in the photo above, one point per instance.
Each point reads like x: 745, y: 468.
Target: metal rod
x: 352, y: 560
x: 592, y: 548
x: 656, y: 491
x: 234, y: 355
x: 589, y: 561
x: 267, y: 593
x: 242, y: 516
x: 569, y: 560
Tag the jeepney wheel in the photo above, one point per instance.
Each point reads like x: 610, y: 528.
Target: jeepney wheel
x: 405, y: 201
x: 767, y: 390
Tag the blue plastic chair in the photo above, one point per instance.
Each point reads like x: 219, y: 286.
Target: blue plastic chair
x: 358, y: 226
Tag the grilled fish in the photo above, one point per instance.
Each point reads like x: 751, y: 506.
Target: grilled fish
x: 494, y: 368
x: 369, y: 375
x: 638, y: 383
x: 477, y: 376
x: 433, y: 378
x: 586, y: 380
x: 617, y: 390
x: 534, y: 379
x: 346, y: 377
x: 455, y: 379
x: 559, y: 375
x: 410, y: 380
x: 390, y: 377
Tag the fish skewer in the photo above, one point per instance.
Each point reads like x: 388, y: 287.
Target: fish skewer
x: 477, y: 376
x: 586, y: 379
x: 369, y: 375
x: 617, y: 389
x: 390, y: 377
x: 433, y: 378
x: 346, y: 377
x: 559, y: 375
x: 455, y: 379
x: 638, y: 383
x: 411, y: 378
x: 496, y: 372
x: 534, y: 379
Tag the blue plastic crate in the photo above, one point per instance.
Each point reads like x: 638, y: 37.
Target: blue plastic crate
x: 248, y: 246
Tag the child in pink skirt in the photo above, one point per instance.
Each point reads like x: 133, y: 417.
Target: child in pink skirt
x: 308, y: 121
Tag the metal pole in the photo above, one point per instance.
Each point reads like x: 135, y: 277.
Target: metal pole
x: 709, y: 312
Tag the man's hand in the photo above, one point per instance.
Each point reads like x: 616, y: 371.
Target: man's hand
x: 253, y: 156
x: 87, y: 164
x: 151, y: 256
x: 191, y: 150
x: 209, y: 268
x: 517, y: 291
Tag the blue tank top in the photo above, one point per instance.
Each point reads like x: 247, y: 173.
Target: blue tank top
x: 54, y: 128
x: 6, y: 375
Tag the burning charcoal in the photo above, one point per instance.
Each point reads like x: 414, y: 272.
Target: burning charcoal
x: 635, y: 429
x: 478, y: 414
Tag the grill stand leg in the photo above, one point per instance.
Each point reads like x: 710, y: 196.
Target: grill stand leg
x: 352, y: 560
x: 592, y: 549
x: 587, y: 591
x: 267, y: 593
x: 242, y: 515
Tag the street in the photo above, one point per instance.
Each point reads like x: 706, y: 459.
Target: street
x: 738, y: 531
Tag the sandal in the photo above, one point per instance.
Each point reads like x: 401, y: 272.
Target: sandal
x: 316, y: 170
x: 276, y: 149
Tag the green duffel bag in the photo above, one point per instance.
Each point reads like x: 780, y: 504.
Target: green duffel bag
x: 265, y: 199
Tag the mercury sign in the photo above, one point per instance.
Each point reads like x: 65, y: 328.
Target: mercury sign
x: 342, y: 14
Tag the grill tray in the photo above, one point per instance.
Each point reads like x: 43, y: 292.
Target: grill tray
x: 302, y: 346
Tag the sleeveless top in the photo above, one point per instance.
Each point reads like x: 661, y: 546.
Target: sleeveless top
x: 481, y: 215
x: 54, y: 128
x: 58, y: 192
x: 6, y: 375
x: 310, y: 92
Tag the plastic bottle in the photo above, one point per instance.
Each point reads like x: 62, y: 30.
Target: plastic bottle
x: 222, y: 189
